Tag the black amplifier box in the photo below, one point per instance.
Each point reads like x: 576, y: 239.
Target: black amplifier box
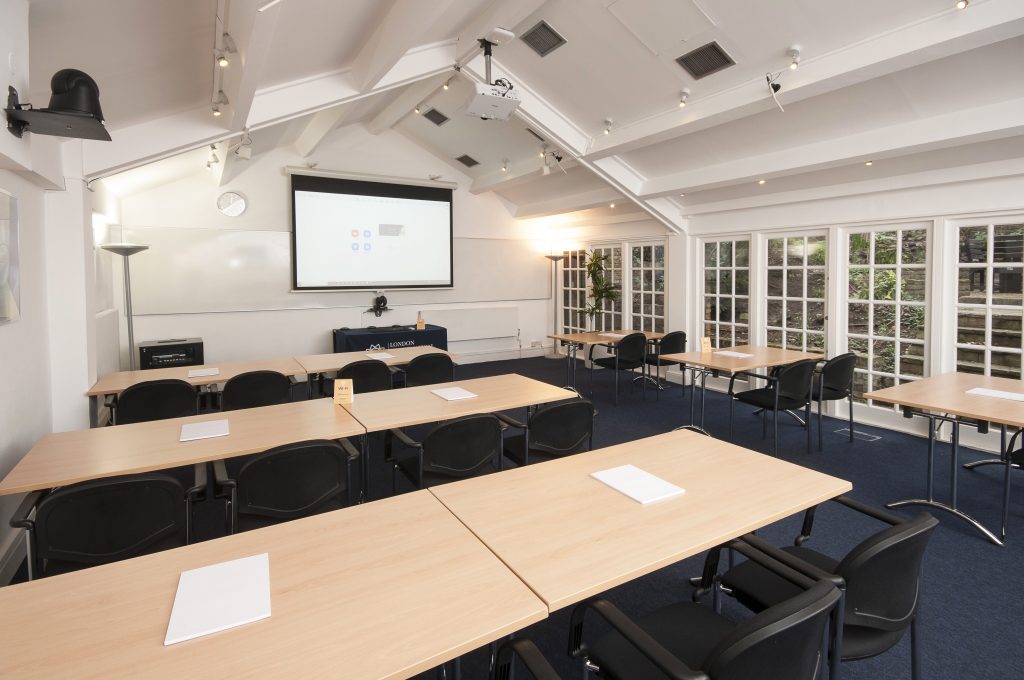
x: 170, y: 353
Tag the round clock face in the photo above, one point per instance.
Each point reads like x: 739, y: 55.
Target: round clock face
x: 231, y: 204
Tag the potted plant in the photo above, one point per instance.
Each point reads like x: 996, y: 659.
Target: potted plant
x: 601, y: 289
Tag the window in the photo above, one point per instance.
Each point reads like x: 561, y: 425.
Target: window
x: 648, y: 287
x: 574, y: 291
x: 796, y: 285
x: 887, y: 300
x: 610, y: 317
x: 727, y: 292
x: 988, y: 334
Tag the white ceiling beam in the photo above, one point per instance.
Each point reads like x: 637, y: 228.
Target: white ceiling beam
x: 994, y: 121
x: 517, y: 175
x: 405, y: 102
x: 253, y: 33
x: 400, y: 30
x: 594, y: 198
x: 319, y: 126
x: 945, y: 34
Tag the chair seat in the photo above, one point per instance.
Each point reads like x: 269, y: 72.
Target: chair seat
x: 609, y: 362
x: 828, y: 393
x: 653, y: 361
x: 689, y: 631
x: 247, y: 522
x: 54, y: 567
x: 514, y: 451
x: 765, y: 398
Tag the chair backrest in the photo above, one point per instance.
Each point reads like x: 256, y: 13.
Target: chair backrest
x: 292, y: 481
x: 673, y: 343
x: 367, y: 375
x: 837, y: 372
x: 458, y: 448
x: 256, y: 388
x: 429, y: 369
x: 780, y: 643
x: 795, y: 379
x: 883, y: 575
x: 111, y: 519
x: 563, y: 427
x: 156, y: 400
x: 631, y: 348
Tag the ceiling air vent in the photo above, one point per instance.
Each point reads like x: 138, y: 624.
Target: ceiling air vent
x: 467, y: 160
x: 536, y: 135
x: 705, y: 60
x: 543, y: 39
x: 436, y: 117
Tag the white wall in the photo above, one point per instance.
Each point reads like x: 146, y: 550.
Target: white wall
x: 239, y: 333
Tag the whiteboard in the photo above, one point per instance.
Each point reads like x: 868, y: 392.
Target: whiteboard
x: 190, y: 270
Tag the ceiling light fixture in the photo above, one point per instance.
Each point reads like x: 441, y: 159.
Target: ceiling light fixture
x: 417, y: 109
x: 504, y: 165
x: 445, y: 86
x: 221, y: 100
x: 607, y: 125
x: 216, y: 111
x: 794, y: 57
x: 222, y: 59
x: 611, y: 205
x: 869, y: 163
x: 683, y: 96
x: 962, y: 4
x: 761, y: 181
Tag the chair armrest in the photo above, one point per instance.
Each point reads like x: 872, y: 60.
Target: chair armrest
x: 350, y: 449
x: 634, y: 634
x: 751, y: 374
x: 20, y: 519
x: 789, y: 567
x: 198, y: 489
x: 510, y: 421
x: 530, y: 656
x: 875, y: 513
x: 222, y: 483
x: 405, y: 439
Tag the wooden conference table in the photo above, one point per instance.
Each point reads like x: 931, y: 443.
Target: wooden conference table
x: 728, y: 360
x: 568, y: 536
x: 944, y: 398
x: 575, y: 341
x: 314, y: 364
x: 383, y: 590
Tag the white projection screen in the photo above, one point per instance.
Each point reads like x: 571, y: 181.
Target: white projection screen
x: 352, y: 234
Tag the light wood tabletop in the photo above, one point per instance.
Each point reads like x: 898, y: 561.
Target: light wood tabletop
x: 387, y: 589
x: 947, y: 393
x: 112, y: 383
x: 568, y: 536
x: 324, y: 363
x: 67, y: 457
x: 760, y: 357
x: 382, y: 410
x: 602, y: 337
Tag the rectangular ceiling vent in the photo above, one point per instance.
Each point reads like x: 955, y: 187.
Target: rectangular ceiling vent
x: 536, y: 135
x: 705, y: 60
x: 467, y: 160
x: 543, y: 39
x: 436, y: 117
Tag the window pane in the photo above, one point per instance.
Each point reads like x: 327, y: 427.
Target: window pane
x: 973, y: 244
x: 710, y: 255
x: 911, y: 359
x: 648, y: 256
x: 885, y: 284
x: 1006, y: 329
x: 775, y: 282
x: 795, y: 341
x: 742, y: 335
x: 816, y: 283
x: 970, y: 326
x: 1005, y: 365
x: 725, y: 254
x: 861, y: 384
x: 742, y: 311
x: 659, y: 280
x: 1006, y: 286
x: 816, y: 316
x: 857, y: 318
x: 859, y: 248
x: 883, y: 356
x: 971, y: 285
x: 815, y: 342
x: 710, y: 281
x: 859, y: 346
x: 725, y: 309
x: 742, y: 283
x: 774, y: 338
x: 794, y: 282
x: 794, y: 314
x: 659, y: 256
x: 816, y: 250
x: 914, y: 245
x: 795, y: 252
x: 775, y: 251
x: 709, y: 308
x: 742, y: 253
x: 885, y: 320
x: 912, y: 285
x: 725, y: 282
x: 1008, y: 243
x: 859, y: 283
x: 775, y: 313
x: 970, y: 360
x: 912, y: 322
x: 885, y: 247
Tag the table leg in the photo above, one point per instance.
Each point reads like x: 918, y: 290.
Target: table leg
x: 703, y: 387
x: 364, y: 446
x: 94, y: 415
x: 1006, y: 479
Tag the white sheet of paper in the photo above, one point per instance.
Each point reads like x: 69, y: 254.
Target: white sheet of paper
x: 998, y: 394
x: 453, y: 393
x: 738, y: 355
x: 205, y: 430
x: 381, y: 356
x: 203, y: 372
x: 641, y: 486
x: 612, y: 335
x: 220, y: 596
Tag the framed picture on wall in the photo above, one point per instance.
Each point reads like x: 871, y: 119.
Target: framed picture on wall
x: 10, y: 272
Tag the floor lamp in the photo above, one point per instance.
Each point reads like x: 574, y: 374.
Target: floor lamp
x: 555, y: 259
x: 126, y: 250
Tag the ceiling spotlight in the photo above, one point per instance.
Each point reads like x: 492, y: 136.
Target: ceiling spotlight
x: 681, y: 195
x: 417, y: 109
x: 683, y: 96
x: 504, y: 165
x: 761, y: 181
x: 222, y: 60
x: 962, y: 4
x: 216, y: 111
x: 607, y: 125
x: 794, y: 57
x: 869, y: 163
x: 611, y: 205
x: 445, y: 86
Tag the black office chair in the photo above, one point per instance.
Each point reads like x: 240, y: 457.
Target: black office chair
x: 554, y: 430
x: 106, y: 520
x: 835, y: 382
x: 880, y: 579
x: 367, y: 375
x: 529, y: 656
x: 155, y: 400
x: 429, y: 369
x: 670, y: 343
x: 789, y: 388
x: 285, y: 483
x: 688, y: 641
x: 256, y: 388
x: 628, y: 355
x: 456, y: 449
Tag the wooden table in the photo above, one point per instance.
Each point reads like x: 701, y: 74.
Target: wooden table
x: 575, y: 341
x: 715, y: 362
x: 67, y: 457
x: 568, y: 536
x: 383, y: 590
x: 944, y: 398
x: 114, y: 383
x: 317, y: 364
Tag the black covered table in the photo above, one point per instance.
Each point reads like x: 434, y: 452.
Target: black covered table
x: 389, y: 337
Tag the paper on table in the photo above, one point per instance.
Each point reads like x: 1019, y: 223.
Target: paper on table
x: 453, y: 393
x: 998, y: 394
x: 204, y: 430
x: 738, y: 355
x: 380, y: 355
x: 612, y: 335
x: 203, y: 372
x: 638, y: 484
x: 220, y: 596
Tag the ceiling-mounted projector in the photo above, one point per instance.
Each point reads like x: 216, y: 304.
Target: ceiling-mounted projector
x: 74, y: 109
x: 493, y: 100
